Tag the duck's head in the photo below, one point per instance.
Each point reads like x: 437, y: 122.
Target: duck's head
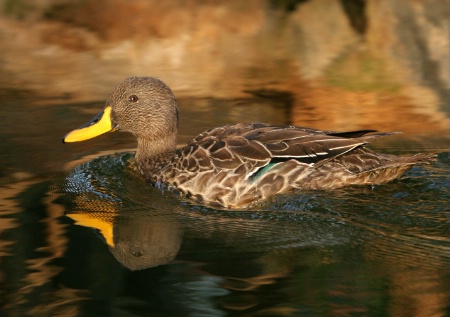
x: 143, y: 106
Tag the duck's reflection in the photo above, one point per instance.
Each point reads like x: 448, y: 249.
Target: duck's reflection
x: 144, y: 227
x: 136, y: 221
x: 137, y: 241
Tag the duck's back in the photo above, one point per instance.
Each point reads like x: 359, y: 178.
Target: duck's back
x: 234, y: 165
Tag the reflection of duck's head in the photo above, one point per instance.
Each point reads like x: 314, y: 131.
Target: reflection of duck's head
x: 139, y: 241
x: 143, y: 106
x: 142, y: 243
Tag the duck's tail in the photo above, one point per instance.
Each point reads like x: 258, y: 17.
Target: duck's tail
x: 392, y: 168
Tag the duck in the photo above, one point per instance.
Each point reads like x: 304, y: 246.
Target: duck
x: 237, y: 165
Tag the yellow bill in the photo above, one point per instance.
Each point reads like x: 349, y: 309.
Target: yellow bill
x: 100, y: 124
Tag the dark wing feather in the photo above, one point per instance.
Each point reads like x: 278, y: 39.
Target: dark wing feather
x: 350, y: 134
x: 316, y: 146
x: 308, y: 145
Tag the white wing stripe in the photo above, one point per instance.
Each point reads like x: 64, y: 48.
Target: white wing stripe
x: 346, y: 146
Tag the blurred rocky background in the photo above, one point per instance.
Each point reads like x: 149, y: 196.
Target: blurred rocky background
x: 333, y: 61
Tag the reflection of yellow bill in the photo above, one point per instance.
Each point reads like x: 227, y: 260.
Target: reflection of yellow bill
x: 100, y: 124
x: 93, y: 220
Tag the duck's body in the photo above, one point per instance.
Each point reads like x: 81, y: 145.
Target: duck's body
x: 235, y: 165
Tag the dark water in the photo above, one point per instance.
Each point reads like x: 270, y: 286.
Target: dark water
x: 82, y: 235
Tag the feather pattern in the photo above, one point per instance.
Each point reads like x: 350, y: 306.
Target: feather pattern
x: 219, y: 167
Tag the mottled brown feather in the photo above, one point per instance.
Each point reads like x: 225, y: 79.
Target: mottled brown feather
x: 306, y: 159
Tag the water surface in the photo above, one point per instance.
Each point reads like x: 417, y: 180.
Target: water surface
x: 82, y: 234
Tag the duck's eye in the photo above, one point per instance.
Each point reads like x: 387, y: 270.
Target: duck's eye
x: 133, y: 98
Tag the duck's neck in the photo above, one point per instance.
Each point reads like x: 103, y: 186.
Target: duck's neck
x: 153, y: 155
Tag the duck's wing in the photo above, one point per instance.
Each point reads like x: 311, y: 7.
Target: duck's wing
x: 308, y: 146
x: 233, y: 164
x: 252, y: 146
